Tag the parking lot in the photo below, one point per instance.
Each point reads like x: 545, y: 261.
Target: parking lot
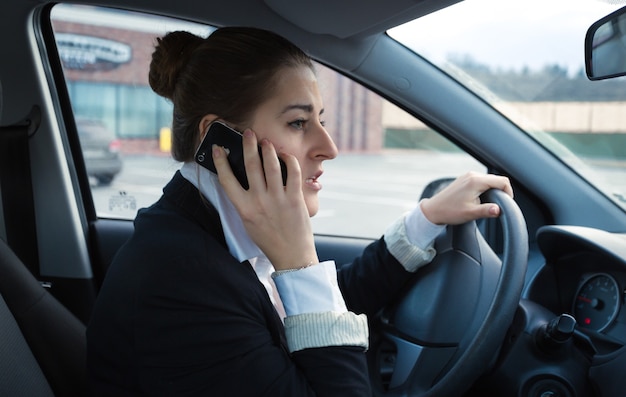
x: 353, y: 187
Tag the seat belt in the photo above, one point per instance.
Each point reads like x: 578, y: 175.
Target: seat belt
x: 17, y: 189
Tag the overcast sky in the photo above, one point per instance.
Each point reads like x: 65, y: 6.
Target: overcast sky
x: 510, y: 33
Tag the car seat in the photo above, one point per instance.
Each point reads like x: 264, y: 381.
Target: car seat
x: 42, y: 344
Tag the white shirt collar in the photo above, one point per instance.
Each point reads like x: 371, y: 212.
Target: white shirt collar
x: 239, y: 243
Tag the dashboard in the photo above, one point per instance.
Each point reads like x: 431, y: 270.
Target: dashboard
x: 585, y: 276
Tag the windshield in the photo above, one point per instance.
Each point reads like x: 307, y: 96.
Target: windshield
x: 526, y: 59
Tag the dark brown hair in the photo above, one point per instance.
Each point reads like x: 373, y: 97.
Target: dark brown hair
x: 229, y: 74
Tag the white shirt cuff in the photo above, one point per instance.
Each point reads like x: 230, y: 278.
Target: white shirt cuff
x: 410, y: 239
x: 419, y: 230
x: 313, y: 289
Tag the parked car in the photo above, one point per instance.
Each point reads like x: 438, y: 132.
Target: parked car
x: 100, y: 149
x: 531, y: 304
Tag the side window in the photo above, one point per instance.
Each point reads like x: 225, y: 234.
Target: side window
x: 123, y: 126
x: 386, y: 157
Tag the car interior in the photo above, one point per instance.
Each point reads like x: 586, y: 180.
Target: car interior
x: 530, y: 304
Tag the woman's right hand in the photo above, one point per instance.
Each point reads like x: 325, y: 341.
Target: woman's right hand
x: 275, y: 216
x: 460, y: 202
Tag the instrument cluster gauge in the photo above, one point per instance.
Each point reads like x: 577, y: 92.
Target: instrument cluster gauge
x: 597, y: 302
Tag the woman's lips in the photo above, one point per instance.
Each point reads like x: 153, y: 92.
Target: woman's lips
x: 313, y: 183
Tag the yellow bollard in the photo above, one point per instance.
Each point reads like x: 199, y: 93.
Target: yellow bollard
x: 165, y: 139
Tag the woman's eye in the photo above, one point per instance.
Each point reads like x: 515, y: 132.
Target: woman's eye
x: 301, y: 124
x: 298, y: 124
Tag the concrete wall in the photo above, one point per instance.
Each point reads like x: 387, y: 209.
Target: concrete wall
x: 564, y: 117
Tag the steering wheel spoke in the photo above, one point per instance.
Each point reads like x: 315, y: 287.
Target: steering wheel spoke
x: 406, y: 358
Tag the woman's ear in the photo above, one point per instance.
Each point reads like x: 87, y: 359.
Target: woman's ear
x: 204, y: 124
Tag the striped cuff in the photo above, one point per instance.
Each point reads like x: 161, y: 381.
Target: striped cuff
x: 410, y: 256
x: 312, y: 330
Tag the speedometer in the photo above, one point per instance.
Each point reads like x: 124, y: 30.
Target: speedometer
x: 597, y: 302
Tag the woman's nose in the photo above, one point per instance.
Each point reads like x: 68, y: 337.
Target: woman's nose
x: 325, y: 147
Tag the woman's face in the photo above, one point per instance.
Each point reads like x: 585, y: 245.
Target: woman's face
x: 292, y: 120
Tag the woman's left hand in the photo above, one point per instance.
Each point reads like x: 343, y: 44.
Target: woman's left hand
x: 275, y: 216
x: 460, y: 202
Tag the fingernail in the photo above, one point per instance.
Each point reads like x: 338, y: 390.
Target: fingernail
x: 216, y: 150
x: 248, y: 132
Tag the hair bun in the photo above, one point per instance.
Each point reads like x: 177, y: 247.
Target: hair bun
x: 170, y: 55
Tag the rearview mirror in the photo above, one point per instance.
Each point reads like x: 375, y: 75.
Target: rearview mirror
x: 605, y: 47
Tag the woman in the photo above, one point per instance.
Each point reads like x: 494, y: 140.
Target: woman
x: 188, y: 307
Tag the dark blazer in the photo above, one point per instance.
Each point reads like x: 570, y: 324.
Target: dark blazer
x: 177, y: 315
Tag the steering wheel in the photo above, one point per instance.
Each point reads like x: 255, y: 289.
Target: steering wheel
x: 448, y: 324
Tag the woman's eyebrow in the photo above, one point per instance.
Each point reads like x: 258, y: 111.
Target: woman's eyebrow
x: 306, y: 108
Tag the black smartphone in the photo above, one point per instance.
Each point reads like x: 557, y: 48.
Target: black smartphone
x: 222, y: 135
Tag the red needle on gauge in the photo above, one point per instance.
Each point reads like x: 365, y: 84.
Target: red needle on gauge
x: 594, y: 303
